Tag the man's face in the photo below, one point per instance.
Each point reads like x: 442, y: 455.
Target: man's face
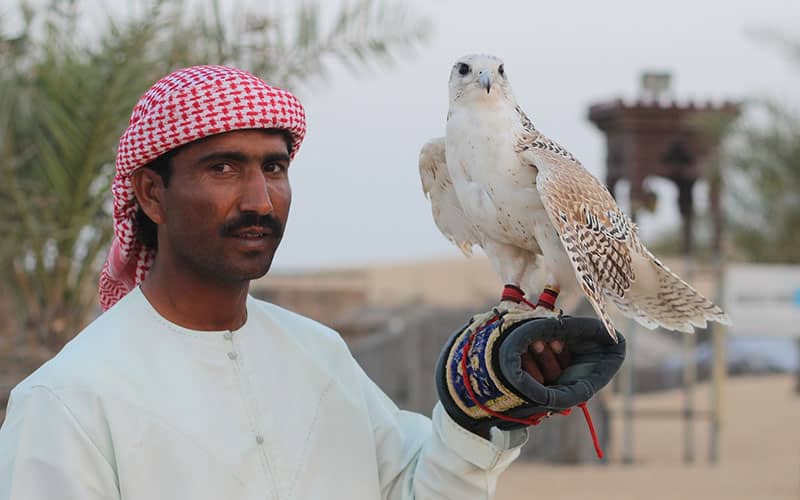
x: 227, y: 204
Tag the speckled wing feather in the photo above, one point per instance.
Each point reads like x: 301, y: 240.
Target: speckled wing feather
x: 603, y: 246
x: 437, y: 185
x: 675, y: 306
x: 595, y: 234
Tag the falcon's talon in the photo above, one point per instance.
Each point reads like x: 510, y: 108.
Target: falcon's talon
x: 543, y: 312
x: 505, y: 305
x: 499, y: 313
x: 518, y: 309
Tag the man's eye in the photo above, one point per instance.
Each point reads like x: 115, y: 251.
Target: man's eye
x: 222, y: 168
x: 274, y: 167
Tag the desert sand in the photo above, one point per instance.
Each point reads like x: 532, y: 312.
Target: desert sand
x: 759, y: 453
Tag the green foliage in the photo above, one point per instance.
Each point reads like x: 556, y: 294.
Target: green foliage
x: 764, y: 185
x: 758, y: 171
x: 62, y: 107
x: 764, y: 173
x: 363, y: 34
x: 65, y: 100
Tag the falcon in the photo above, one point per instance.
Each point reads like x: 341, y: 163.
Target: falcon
x: 543, y: 220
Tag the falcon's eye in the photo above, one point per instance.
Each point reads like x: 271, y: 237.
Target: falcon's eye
x: 501, y: 70
x: 463, y: 69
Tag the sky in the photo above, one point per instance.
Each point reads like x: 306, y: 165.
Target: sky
x: 357, y: 197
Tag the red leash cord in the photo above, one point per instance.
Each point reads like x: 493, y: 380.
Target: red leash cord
x: 588, y: 418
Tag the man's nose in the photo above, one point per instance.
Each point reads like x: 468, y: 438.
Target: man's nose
x: 255, y: 194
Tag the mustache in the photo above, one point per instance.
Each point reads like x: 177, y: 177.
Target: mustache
x: 252, y: 219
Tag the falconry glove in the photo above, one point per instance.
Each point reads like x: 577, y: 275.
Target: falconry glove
x: 481, y: 382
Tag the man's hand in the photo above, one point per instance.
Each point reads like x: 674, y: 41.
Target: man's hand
x: 541, y: 366
x: 545, y: 361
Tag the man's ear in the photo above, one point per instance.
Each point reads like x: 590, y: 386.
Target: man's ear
x: 149, y: 189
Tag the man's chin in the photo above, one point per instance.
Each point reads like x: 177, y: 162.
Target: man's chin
x: 259, y: 271
x: 255, y: 265
x: 260, y: 274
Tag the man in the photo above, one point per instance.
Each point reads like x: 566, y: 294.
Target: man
x: 187, y: 387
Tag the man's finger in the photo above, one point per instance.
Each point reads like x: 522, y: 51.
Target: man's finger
x: 529, y: 365
x: 562, y: 353
x: 546, y: 360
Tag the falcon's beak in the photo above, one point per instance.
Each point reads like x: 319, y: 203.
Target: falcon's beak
x: 485, y: 80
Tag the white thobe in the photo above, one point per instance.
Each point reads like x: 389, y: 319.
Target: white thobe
x: 136, y: 407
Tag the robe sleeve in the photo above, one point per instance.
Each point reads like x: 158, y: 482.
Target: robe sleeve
x: 420, y: 458
x: 45, y: 453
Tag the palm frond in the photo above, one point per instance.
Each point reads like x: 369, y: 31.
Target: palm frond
x: 361, y: 36
x: 65, y: 100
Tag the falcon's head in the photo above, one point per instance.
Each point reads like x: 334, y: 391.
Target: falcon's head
x: 479, y: 77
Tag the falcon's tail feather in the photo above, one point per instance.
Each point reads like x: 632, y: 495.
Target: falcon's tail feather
x: 674, y: 305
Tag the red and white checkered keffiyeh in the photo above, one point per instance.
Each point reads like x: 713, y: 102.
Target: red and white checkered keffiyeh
x: 182, y: 107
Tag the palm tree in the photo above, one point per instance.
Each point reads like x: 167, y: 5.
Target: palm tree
x: 764, y: 184
x: 760, y: 170
x: 65, y: 100
x: 763, y: 175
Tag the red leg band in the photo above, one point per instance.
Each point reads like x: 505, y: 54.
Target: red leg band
x: 547, y: 299
x: 513, y: 293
